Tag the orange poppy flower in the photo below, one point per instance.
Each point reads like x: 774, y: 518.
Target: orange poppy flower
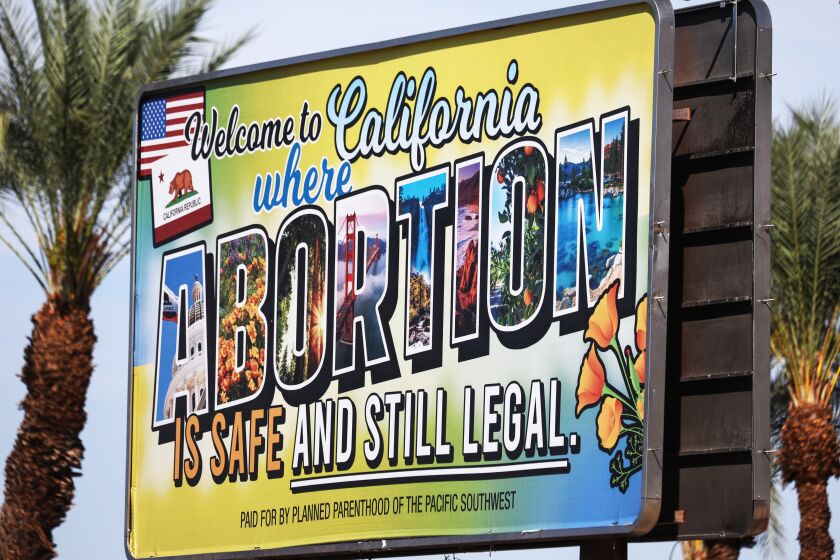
x: 640, y: 363
x: 590, y: 381
x: 603, y: 323
x: 641, y: 324
x: 609, y: 423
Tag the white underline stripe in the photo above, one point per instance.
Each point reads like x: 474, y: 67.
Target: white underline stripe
x: 431, y: 473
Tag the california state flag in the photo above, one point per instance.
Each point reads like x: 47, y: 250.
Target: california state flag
x: 181, y: 195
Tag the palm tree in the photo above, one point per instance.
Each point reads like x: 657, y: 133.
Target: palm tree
x: 772, y: 540
x: 806, y: 310
x: 69, y: 72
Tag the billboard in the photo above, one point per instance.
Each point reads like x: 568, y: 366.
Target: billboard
x: 404, y: 296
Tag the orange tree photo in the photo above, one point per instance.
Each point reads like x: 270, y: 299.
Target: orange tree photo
x: 528, y: 166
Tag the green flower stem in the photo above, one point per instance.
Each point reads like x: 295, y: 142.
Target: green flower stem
x: 609, y: 391
x: 625, y: 373
x: 633, y: 469
x: 633, y: 429
x: 634, y: 376
x: 632, y: 416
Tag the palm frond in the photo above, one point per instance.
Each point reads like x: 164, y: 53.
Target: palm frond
x: 69, y: 72
x: 779, y: 403
x: 806, y: 252
x: 772, y: 541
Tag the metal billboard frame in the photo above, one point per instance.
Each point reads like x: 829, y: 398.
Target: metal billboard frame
x: 658, y: 261
x: 717, y: 466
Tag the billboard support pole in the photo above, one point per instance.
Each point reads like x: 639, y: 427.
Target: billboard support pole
x: 603, y: 549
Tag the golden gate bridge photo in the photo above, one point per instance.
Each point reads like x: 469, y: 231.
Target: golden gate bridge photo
x: 346, y: 314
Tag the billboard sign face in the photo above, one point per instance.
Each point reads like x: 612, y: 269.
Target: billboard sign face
x: 403, y: 296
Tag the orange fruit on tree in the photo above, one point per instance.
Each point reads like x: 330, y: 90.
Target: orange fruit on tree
x: 529, y: 150
x: 532, y: 203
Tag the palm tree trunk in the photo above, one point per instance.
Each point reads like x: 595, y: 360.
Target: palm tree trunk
x: 810, y: 454
x: 814, y: 516
x: 723, y: 549
x: 727, y: 549
x: 47, y: 454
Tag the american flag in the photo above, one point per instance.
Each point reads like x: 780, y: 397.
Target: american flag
x: 162, y: 126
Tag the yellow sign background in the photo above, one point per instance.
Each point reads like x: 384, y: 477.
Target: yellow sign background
x: 583, y: 65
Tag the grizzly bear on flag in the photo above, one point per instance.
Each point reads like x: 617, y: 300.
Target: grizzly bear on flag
x: 181, y: 185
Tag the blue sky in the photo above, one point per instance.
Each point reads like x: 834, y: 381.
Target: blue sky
x: 180, y: 271
x: 806, y: 44
x: 575, y: 147
x: 421, y: 189
x: 612, y: 130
